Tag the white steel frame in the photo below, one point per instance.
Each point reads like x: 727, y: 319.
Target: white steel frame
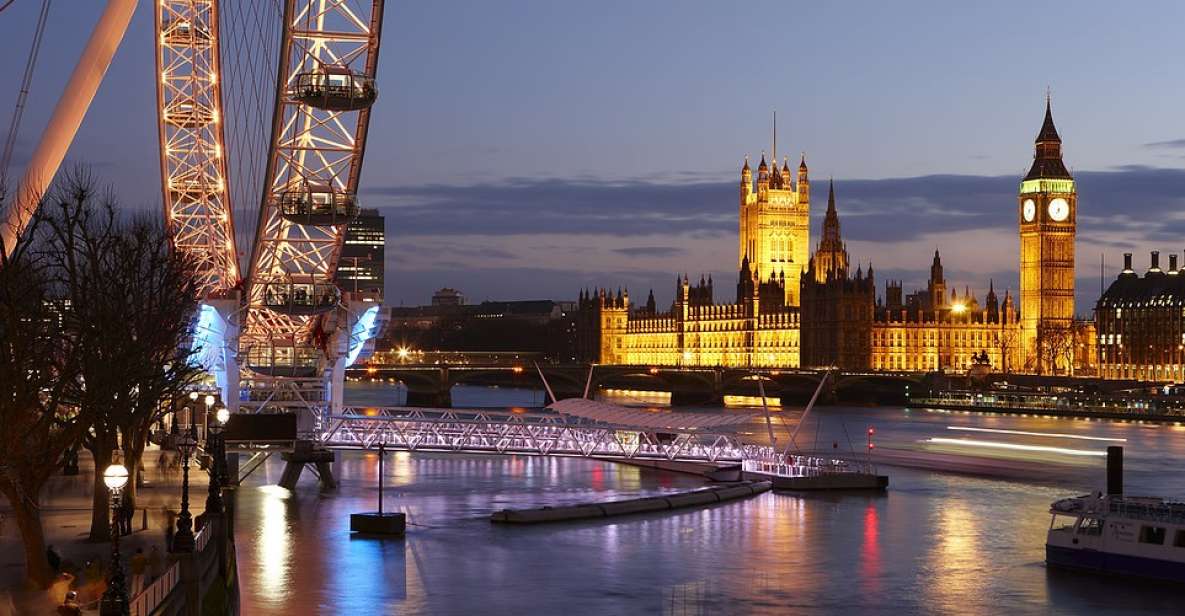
x: 309, y: 145
x: 192, y: 152
x: 501, y: 432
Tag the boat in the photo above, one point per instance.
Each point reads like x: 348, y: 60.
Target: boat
x: 1115, y: 534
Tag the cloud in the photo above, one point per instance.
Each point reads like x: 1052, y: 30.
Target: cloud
x: 650, y: 251
x: 586, y: 225
x: 1171, y: 144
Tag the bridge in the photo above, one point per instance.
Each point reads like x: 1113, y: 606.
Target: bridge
x: 429, y: 385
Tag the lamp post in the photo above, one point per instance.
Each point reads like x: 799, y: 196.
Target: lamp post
x: 115, y: 599
x: 214, y: 496
x: 183, y: 540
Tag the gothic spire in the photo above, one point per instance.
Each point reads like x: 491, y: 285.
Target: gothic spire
x: 1048, y: 130
x: 1047, y: 158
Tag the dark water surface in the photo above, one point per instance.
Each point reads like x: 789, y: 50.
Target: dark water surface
x: 935, y: 543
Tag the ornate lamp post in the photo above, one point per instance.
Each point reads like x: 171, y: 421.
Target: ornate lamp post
x: 183, y: 540
x: 214, y: 496
x: 115, y: 598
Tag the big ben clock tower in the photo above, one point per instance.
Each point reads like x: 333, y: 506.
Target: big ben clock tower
x: 1048, y: 210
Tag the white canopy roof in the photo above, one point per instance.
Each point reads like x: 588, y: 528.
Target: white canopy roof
x: 640, y: 418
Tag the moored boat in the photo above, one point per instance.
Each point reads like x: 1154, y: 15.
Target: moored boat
x: 1115, y: 534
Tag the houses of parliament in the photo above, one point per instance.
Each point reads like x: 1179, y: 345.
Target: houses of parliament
x: 800, y: 308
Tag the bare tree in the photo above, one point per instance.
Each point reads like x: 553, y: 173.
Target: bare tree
x: 1055, y: 346
x: 133, y: 299
x: 38, y: 374
x: 1006, y: 341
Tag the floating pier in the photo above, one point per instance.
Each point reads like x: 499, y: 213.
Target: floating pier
x: 648, y: 504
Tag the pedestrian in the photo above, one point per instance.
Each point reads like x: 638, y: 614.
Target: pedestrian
x: 156, y: 564
x: 139, y: 569
x: 55, y: 559
x: 128, y: 514
x: 169, y: 527
x: 70, y: 606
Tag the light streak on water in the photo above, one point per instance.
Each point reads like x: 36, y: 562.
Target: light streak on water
x: 1048, y: 434
x: 1015, y: 446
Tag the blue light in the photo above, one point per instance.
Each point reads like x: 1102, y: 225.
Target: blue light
x: 362, y: 333
x: 207, y: 338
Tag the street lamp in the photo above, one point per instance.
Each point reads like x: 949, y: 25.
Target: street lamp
x: 183, y: 540
x: 115, y: 599
x: 214, y: 494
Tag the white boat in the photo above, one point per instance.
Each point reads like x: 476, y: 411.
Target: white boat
x: 1118, y: 535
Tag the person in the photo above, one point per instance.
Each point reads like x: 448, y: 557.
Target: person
x: 139, y: 568
x: 156, y: 564
x: 170, y: 519
x: 129, y: 514
x: 55, y: 559
x: 70, y: 606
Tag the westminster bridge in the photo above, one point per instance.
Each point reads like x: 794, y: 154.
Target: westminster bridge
x: 429, y: 383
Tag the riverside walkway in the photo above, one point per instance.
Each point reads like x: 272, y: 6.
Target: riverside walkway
x: 66, y: 519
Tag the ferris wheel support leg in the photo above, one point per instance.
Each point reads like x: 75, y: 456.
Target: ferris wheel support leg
x: 66, y: 119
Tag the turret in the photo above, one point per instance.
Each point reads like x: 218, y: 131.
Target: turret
x: 804, y: 184
x: 762, y: 175
x: 993, y: 304
x: 746, y: 179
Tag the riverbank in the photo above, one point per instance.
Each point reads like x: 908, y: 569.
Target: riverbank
x: 1174, y: 417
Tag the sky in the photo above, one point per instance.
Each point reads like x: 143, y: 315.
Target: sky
x: 525, y: 150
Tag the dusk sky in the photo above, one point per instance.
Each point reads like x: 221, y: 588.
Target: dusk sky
x: 526, y: 149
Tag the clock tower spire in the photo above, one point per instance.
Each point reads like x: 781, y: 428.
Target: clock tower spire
x: 1048, y: 211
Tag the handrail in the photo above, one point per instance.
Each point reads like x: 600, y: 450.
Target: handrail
x: 151, y: 597
x: 201, y: 539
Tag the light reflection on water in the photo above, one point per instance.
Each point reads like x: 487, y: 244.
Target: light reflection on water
x: 935, y: 543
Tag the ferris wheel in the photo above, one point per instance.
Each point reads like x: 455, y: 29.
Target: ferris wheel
x: 285, y: 325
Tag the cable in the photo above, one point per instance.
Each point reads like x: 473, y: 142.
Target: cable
x: 22, y: 97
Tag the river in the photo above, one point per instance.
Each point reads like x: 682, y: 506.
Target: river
x: 934, y: 543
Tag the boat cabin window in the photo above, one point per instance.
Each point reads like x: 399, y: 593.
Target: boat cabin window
x: 1179, y: 541
x: 1091, y: 526
x: 1152, y: 534
x: 1063, y: 523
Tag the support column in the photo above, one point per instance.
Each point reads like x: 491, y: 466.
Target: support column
x: 66, y: 118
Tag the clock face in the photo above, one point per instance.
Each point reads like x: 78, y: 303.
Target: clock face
x: 1030, y: 210
x: 1059, y: 209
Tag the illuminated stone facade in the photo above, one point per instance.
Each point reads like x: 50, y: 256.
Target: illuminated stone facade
x: 759, y: 330
x: 793, y: 309
x: 845, y: 326
x: 775, y: 217
x: 1046, y: 214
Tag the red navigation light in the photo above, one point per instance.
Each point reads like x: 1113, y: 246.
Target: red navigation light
x: 872, y: 430
x: 872, y: 445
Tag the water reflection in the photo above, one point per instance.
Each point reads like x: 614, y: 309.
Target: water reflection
x: 273, y: 544
x: 936, y: 543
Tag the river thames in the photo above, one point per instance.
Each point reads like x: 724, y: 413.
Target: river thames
x: 934, y: 543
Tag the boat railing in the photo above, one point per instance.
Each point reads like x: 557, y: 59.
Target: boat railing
x: 1150, y: 510
x: 1172, y: 513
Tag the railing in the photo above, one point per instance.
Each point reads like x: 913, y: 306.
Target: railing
x: 1047, y: 402
x: 502, y: 432
x: 150, y: 598
x: 805, y: 466
x: 1173, y: 513
x: 201, y: 539
x: 459, y: 430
